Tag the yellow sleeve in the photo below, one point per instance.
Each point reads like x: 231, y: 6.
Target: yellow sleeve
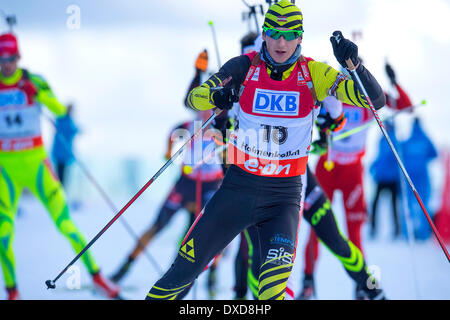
x: 46, y: 96
x: 49, y: 100
x: 199, y: 98
x: 328, y: 81
x: 232, y: 73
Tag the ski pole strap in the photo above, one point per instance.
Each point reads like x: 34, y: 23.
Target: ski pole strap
x: 307, y: 76
x: 341, y: 77
x: 255, y: 62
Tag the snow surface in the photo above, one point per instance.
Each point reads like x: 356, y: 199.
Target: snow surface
x: 418, y: 272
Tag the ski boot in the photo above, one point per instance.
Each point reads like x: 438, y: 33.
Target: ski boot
x: 117, y: 277
x: 364, y: 293
x: 13, y: 293
x: 106, y: 287
x: 309, y: 291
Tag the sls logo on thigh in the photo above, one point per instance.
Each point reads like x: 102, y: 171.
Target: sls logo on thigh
x: 281, y: 103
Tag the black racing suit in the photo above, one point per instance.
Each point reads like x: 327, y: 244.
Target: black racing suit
x: 318, y: 213
x: 270, y: 204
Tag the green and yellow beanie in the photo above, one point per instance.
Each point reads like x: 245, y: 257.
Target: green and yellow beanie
x: 284, y: 14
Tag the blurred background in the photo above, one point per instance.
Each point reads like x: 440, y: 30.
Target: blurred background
x: 126, y: 65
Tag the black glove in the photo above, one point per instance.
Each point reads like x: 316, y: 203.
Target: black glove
x: 223, y: 98
x: 391, y: 74
x: 326, y: 123
x: 344, y: 49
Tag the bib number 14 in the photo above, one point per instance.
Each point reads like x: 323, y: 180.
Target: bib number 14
x: 13, y: 120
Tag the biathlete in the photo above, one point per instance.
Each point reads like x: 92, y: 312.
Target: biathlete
x: 318, y: 212
x: 347, y: 175
x: 24, y: 163
x: 195, y: 181
x: 277, y: 90
x: 200, y: 177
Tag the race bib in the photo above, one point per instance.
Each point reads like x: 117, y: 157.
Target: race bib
x: 278, y: 103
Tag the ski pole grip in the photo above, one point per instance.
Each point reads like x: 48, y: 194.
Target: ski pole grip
x: 350, y: 64
x: 337, y: 35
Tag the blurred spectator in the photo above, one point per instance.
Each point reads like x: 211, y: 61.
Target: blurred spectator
x: 385, y: 170
x: 62, y: 150
x: 402, y: 101
x: 417, y: 151
x: 385, y: 173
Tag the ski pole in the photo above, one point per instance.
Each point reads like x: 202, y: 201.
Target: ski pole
x: 409, y: 226
x: 105, y: 197
x: 370, y: 123
x: 254, y: 14
x: 51, y: 283
x: 189, y: 169
x: 328, y: 164
x: 337, y: 35
x: 215, y: 43
x: 10, y: 20
x: 367, y: 125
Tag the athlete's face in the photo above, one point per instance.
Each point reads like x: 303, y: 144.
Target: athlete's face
x: 280, y: 50
x: 8, y: 66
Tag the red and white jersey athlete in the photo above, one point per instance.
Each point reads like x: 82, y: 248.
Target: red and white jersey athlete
x: 351, y: 149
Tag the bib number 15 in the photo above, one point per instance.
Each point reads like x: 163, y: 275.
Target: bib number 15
x: 276, y: 134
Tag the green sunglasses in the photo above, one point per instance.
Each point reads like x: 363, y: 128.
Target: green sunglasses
x: 289, y: 35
